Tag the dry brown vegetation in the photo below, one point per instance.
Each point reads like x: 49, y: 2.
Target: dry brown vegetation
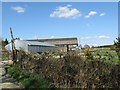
x: 71, y: 71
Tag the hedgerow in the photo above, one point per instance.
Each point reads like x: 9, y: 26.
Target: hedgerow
x: 71, y: 71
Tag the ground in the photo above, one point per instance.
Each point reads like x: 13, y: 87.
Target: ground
x: 6, y: 81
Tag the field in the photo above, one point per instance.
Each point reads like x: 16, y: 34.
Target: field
x: 103, y: 54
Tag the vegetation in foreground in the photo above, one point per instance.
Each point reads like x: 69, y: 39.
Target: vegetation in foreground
x: 71, y: 71
x: 27, y: 79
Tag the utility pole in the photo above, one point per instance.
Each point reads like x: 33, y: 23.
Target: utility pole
x: 14, y: 53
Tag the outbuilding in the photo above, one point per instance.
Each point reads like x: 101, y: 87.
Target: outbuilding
x: 64, y: 44
x: 31, y: 46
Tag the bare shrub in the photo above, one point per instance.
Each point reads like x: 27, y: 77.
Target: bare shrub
x: 71, y: 71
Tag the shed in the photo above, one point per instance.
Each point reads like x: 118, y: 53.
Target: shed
x: 31, y: 46
x: 64, y: 44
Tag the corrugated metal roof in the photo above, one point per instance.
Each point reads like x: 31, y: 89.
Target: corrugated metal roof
x: 38, y: 43
x: 25, y: 45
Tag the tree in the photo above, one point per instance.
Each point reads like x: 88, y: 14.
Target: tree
x: 117, y: 44
x: 17, y: 38
x: 6, y: 42
x: 3, y: 43
x: 113, y: 47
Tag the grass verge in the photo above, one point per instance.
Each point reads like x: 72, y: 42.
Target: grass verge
x: 27, y: 79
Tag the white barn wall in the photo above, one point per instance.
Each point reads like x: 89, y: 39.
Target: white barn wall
x: 19, y: 44
x: 31, y: 46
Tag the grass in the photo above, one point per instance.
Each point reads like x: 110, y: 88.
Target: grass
x: 28, y: 80
x: 104, y: 53
x: 5, y: 59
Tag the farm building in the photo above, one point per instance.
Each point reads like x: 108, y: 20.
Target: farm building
x: 31, y: 46
x: 64, y: 44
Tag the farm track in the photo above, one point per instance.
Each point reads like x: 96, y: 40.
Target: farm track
x: 6, y: 81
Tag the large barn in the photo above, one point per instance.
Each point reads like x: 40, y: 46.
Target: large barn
x: 30, y: 46
x: 64, y: 44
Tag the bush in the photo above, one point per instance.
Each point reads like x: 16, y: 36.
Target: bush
x: 113, y: 47
x: 117, y: 44
x: 26, y: 82
x: 71, y: 71
x: 16, y: 75
x: 88, y: 54
x: 10, y: 70
x: 35, y: 81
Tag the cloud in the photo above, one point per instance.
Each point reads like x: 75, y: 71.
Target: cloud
x: 66, y: 12
x: 91, y: 13
x: 18, y: 9
x: 99, y: 37
x: 102, y: 37
x: 52, y: 36
x: 102, y: 14
x: 87, y: 16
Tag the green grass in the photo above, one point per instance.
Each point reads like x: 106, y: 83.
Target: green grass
x: 10, y: 70
x: 100, y: 49
x: 107, y: 55
x: 103, y: 53
x: 28, y: 80
x: 5, y: 59
x: 106, y: 58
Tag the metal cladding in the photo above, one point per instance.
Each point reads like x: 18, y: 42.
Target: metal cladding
x: 63, y: 44
x: 31, y: 46
x: 39, y: 43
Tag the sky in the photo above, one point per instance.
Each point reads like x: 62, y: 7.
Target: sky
x: 60, y: 0
x: 94, y: 23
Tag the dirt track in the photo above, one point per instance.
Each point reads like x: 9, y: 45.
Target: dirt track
x: 6, y: 81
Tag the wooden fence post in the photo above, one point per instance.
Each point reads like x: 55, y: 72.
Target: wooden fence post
x: 14, y: 53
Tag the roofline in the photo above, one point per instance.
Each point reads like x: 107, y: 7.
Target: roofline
x: 53, y: 39
x: 42, y: 45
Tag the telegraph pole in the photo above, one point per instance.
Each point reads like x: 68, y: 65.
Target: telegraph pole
x: 13, y: 47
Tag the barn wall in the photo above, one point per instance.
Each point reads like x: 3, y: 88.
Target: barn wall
x: 40, y: 48
x: 19, y: 45
x: 60, y: 41
x: 63, y: 44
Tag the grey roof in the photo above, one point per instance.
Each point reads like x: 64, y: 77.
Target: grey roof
x: 38, y: 43
x: 22, y: 44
